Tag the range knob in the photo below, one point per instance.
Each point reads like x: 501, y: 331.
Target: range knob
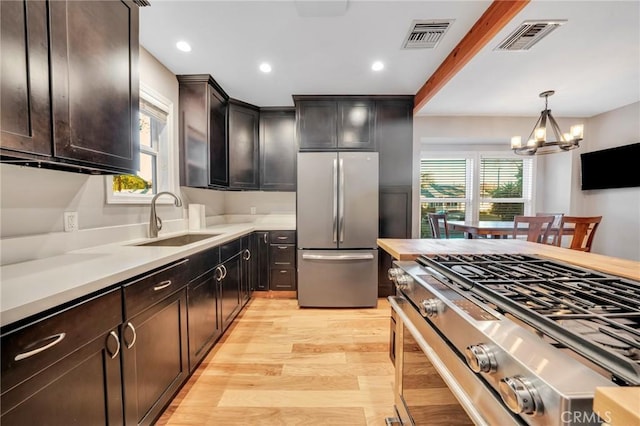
x: 481, y: 359
x: 520, y: 396
x: 393, y: 273
x: 430, y: 307
x: 403, y: 281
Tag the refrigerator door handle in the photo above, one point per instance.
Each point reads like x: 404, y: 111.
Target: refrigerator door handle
x: 335, y: 200
x: 341, y: 203
x: 308, y: 256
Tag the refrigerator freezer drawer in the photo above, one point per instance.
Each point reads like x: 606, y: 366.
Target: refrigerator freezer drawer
x: 338, y: 278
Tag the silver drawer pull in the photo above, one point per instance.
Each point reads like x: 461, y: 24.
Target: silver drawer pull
x: 115, y: 336
x: 58, y: 338
x: 283, y: 238
x: 283, y: 247
x: 282, y: 263
x: 133, y: 342
x: 163, y: 285
x: 283, y: 271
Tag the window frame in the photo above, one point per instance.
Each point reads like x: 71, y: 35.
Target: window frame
x: 473, y: 200
x: 159, y: 101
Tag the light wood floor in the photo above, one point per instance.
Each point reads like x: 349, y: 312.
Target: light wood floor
x: 279, y: 364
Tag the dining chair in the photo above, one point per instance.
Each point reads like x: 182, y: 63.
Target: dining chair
x: 555, y: 228
x: 436, y: 222
x: 584, y: 230
x: 537, y: 228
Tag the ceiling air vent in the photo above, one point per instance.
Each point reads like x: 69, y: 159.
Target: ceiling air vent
x: 528, y: 34
x: 426, y: 34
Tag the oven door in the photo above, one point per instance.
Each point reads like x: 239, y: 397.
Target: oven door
x: 433, y: 386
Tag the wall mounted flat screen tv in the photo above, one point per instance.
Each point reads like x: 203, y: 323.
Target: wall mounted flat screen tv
x: 617, y: 167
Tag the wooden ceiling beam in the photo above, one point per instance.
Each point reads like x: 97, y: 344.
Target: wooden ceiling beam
x: 497, y: 15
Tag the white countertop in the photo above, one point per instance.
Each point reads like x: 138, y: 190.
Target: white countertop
x: 34, y: 286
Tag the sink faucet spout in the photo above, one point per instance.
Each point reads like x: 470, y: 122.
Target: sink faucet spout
x: 155, y: 223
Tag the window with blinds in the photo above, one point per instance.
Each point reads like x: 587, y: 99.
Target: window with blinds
x: 444, y: 188
x: 499, y: 188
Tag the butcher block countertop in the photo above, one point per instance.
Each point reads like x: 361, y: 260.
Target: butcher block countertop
x: 618, y: 406
x: 409, y: 249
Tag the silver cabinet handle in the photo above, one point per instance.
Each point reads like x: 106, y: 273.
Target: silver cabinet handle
x: 224, y: 271
x: 133, y: 342
x: 264, y: 237
x: 335, y: 200
x: 219, y: 274
x: 341, y: 202
x: 163, y: 285
x: 247, y: 255
x: 282, y: 238
x: 337, y: 257
x: 283, y: 247
x: 115, y: 336
x: 283, y: 271
x: 57, y: 339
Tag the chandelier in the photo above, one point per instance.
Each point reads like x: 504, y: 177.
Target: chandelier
x: 538, y: 142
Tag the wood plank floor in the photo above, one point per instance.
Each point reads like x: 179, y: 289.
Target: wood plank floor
x: 279, y: 364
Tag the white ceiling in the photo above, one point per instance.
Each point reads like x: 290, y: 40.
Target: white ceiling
x: 592, y: 61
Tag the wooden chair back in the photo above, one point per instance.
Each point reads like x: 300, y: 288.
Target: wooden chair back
x: 438, y: 221
x: 584, y: 229
x: 555, y: 228
x: 537, y: 230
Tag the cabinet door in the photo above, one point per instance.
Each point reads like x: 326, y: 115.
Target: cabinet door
x: 317, y: 121
x: 25, y: 117
x: 84, y: 388
x: 230, y: 290
x: 218, y: 147
x: 278, y: 150
x: 154, y: 358
x: 77, y: 348
x: 355, y: 125
x: 263, y: 261
x: 204, y: 322
x: 394, y: 141
x: 247, y: 270
x: 243, y: 147
x: 94, y: 68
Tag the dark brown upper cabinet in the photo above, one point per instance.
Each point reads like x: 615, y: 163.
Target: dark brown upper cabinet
x: 204, y: 153
x: 330, y: 123
x: 70, y: 85
x: 278, y: 149
x: 244, y: 156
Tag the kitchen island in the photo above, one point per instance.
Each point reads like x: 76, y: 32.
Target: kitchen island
x: 616, y: 405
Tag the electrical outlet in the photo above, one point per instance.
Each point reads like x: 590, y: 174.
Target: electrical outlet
x: 70, y: 221
x: 253, y: 210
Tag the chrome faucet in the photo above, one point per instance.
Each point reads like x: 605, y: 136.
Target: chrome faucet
x: 155, y: 223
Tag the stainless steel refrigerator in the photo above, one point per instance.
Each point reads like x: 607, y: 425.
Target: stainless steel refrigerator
x: 337, y: 224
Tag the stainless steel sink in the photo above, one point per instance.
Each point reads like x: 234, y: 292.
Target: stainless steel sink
x: 179, y: 240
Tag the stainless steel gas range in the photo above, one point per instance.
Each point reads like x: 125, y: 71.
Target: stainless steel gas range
x: 517, y: 339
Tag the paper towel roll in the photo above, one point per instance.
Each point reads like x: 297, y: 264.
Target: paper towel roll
x: 197, y: 219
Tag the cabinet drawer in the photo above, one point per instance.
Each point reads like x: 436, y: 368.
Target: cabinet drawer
x: 152, y: 288
x: 202, y: 262
x: 38, y: 345
x: 282, y: 255
x: 283, y: 237
x: 283, y: 279
x: 230, y: 249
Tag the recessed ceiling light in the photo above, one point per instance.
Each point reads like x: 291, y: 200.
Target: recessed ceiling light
x: 377, y: 66
x: 265, y: 67
x: 184, y: 46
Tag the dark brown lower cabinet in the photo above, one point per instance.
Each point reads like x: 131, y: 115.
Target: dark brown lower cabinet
x: 262, y: 261
x: 204, y: 321
x: 65, y: 368
x: 248, y: 260
x: 154, y: 358
x: 230, y: 289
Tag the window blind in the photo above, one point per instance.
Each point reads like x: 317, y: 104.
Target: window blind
x: 440, y: 178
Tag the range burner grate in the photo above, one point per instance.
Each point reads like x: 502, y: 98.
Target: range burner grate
x: 595, y: 314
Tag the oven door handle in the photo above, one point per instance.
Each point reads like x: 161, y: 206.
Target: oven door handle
x: 399, y: 304
x: 337, y: 256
